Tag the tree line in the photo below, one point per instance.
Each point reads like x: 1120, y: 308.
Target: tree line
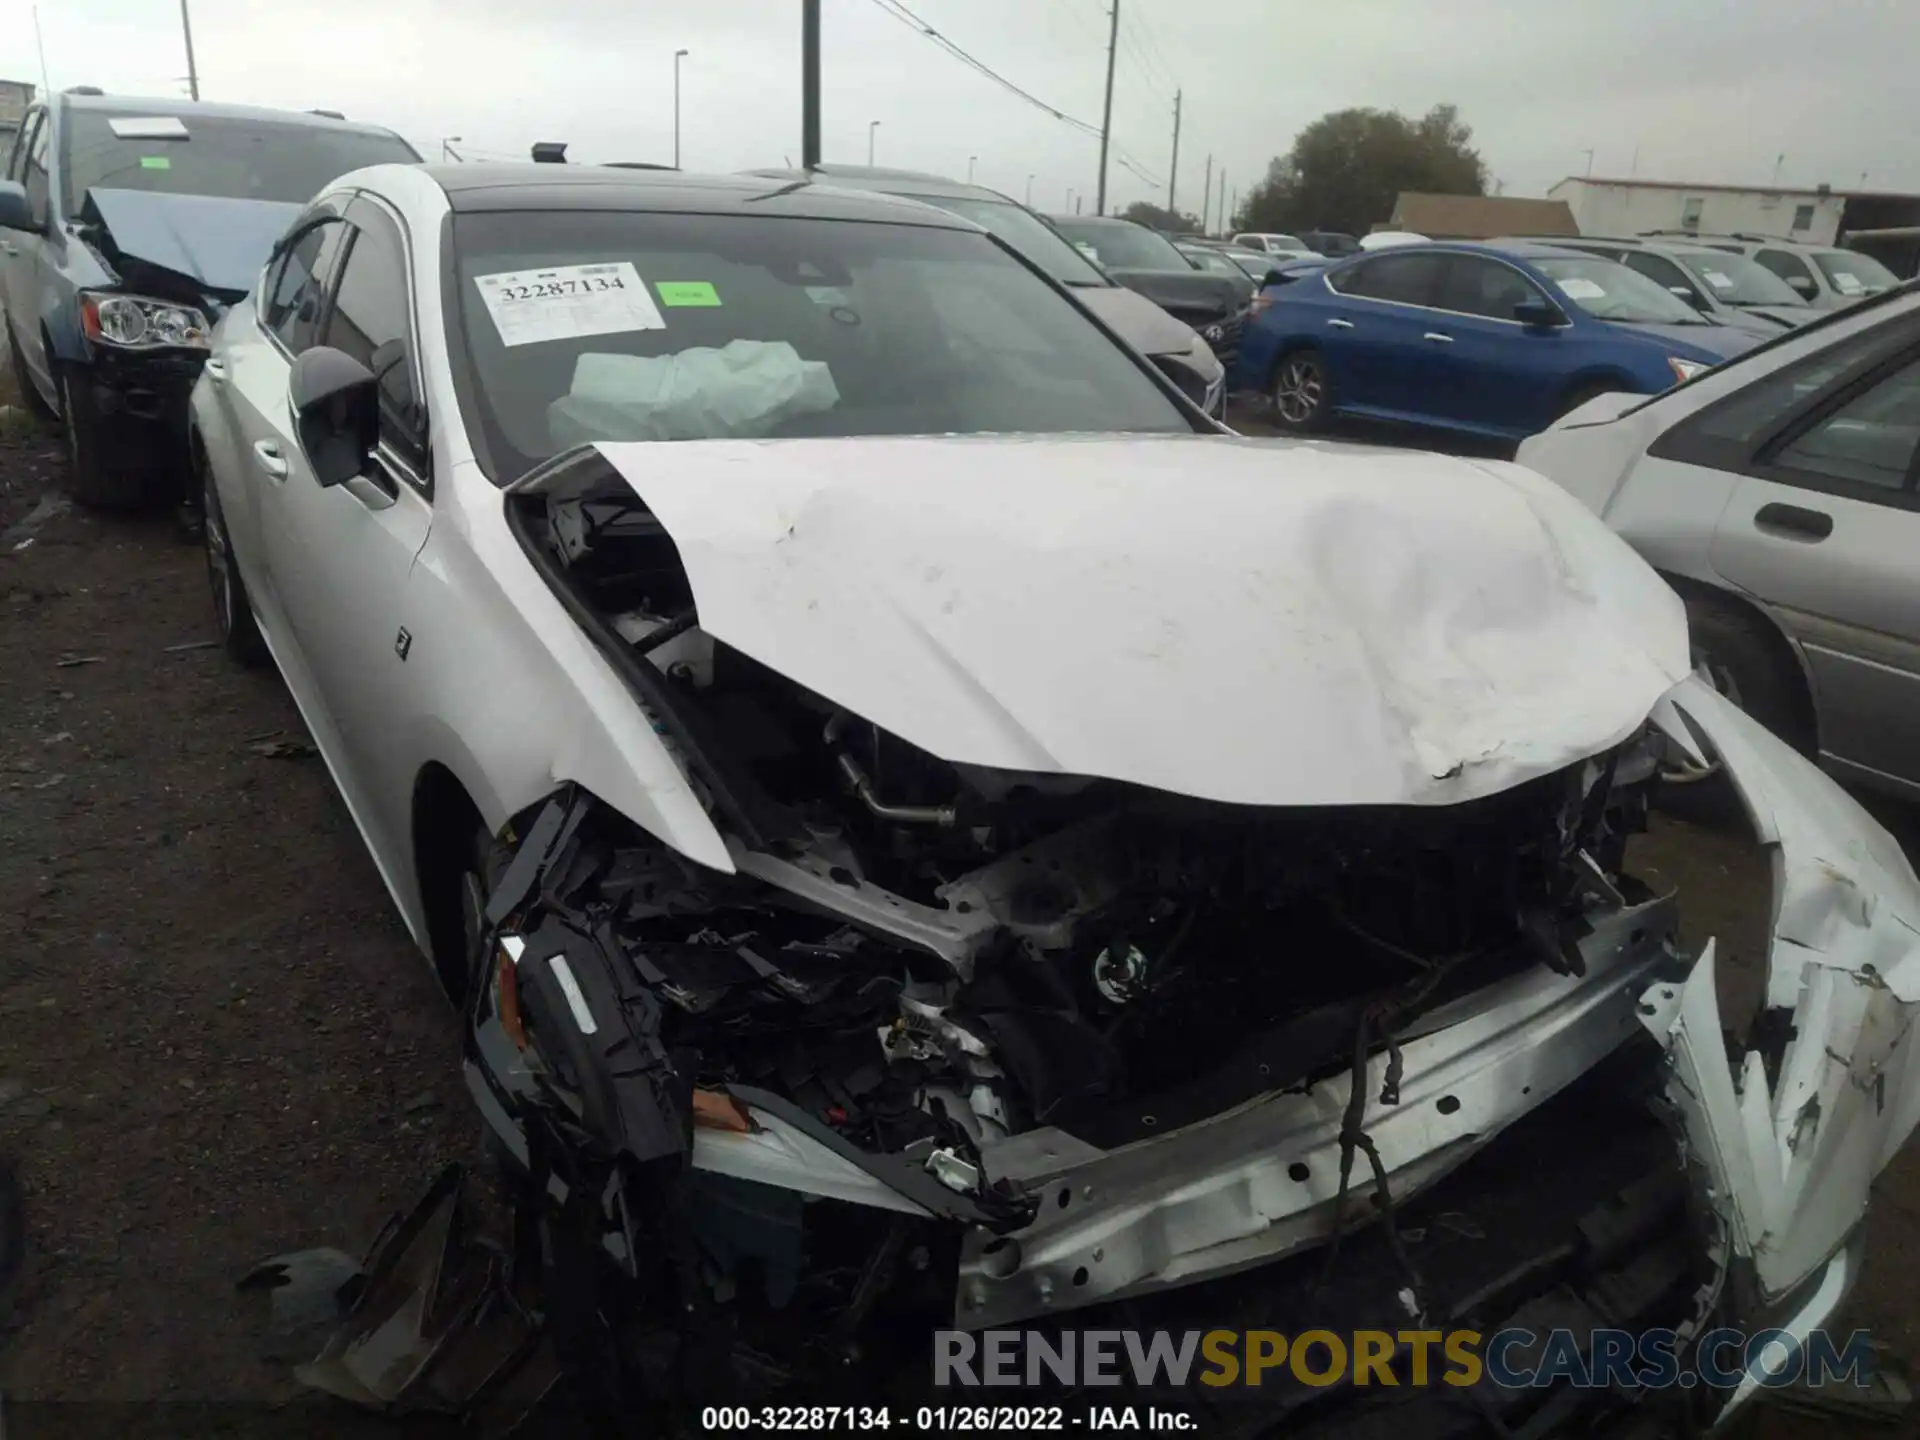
x: 1345, y: 171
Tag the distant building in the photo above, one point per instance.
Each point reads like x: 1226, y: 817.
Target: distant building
x: 15, y: 97
x: 1478, y: 217
x: 1883, y: 224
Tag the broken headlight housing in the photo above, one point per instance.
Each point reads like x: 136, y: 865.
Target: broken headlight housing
x: 136, y: 322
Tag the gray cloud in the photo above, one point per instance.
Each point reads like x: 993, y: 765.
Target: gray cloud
x: 1680, y: 89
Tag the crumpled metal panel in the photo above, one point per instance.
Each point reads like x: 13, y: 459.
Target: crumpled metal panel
x: 1792, y: 1161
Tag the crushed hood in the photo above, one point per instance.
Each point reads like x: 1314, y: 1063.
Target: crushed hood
x: 217, y: 243
x: 1275, y: 623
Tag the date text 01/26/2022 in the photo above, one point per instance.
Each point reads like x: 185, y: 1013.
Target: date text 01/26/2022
x: 943, y: 1419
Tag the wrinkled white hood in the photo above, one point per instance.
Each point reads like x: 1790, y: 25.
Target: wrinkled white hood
x: 1273, y: 623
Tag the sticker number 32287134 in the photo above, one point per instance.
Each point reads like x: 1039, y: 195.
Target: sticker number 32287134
x: 567, y: 302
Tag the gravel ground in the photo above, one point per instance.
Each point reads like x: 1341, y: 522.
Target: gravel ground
x: 215, y: 1039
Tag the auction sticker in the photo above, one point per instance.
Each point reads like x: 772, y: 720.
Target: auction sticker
x: 1576, y: 287
x: 568, y: 302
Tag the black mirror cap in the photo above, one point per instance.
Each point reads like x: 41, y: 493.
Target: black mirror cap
x: 336, y: 406
x: 16, y: 212
x: 1541, y: 313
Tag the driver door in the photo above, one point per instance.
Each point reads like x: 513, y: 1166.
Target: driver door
x: 344, y: 555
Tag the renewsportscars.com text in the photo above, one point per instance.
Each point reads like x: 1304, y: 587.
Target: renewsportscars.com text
x: 1512, y: 1358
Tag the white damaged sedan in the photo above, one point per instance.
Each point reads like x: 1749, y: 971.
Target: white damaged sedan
x: 928, y: 831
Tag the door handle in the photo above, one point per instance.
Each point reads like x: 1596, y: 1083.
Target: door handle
x: 266, y: 454
x: 216, y: 369
x: 1339, y: 324
x: 9, y: 248
x: 1794, y: 521
x: 1438, y: 338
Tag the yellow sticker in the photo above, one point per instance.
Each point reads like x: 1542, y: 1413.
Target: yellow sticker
x: 680, y: 293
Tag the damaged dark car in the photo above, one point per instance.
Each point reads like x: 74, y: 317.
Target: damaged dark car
x: 131, y: 227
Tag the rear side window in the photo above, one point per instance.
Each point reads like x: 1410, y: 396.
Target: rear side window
x: 1661, y: 270
x: 298, y: 287
x: 1403, y: 279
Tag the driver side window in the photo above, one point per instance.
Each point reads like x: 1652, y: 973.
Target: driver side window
x: 34, y: 178
x: 298, y: 286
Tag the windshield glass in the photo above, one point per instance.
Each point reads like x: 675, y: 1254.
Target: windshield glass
x: 1736, y: 280
x: 1218, y: 261
x: 1854, y: 274
x: 1608, y: 290
x: 1124, y: 247
x: 599, y: 325
x: 1025, y: 232
x: 208, y: 155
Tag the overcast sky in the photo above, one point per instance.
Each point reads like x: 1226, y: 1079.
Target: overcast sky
x: 1704, y: 90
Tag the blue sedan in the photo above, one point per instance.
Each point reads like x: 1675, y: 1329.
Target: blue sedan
x: 1492, y: 340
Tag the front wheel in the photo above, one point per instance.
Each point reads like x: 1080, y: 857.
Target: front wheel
x: 93, y: 482
x: 1300, y: 392
x: 232, y: 608
x: 36, y: 403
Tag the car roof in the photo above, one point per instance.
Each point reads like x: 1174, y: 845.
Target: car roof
x: 186, y: 109
x: 883, y: 181
x: 1510, y: 249
x: 526, y: 185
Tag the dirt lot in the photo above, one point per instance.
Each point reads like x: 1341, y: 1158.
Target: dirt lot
x: 217, y: 1042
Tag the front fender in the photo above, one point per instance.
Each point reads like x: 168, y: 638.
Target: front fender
x: 1792, y: 1160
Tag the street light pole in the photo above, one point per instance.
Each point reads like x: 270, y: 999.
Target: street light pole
x: 678, y: 56
x: 872, y: 125
x: 1030, y: 191
x: 970, y: 160
x: 1173, y: 171
x: 193, y: 74
x: 447, y: 142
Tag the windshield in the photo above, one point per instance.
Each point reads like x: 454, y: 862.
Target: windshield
x: 207, y: 155
x: 1854, y: 274
x: 602, y: 325
x: 1608, y: 290
x: 1120, y: 246
x: 1025, y: 232
x: 1736, y: 280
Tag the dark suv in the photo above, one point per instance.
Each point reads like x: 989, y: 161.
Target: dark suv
x: 127, y: 227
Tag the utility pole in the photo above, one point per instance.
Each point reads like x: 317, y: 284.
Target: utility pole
x: 872, y: 125
x: 193, y: 74
x: 1173, y: 170
x: 1233, y: 211
x: 1222, y: 202
x: 970, y: 160
x: 1206, y: 198
x: 1029, y: 192
x: 1106, y: 115
x: 809, y: 84
x: 678, y: 56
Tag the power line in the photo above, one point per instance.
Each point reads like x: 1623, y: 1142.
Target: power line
x: 906, y: 17
x: 1143, y: 33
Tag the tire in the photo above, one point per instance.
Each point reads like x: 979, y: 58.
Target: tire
x: 36, y: 404
x: 479, y: 871
x: 91, y: 482
x: 1298, y: 391
x: 232, y: 606
x: 1742, y: 658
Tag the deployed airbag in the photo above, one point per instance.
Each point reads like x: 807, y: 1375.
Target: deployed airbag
x: 740, y: 391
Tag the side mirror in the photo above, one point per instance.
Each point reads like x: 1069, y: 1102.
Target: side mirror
x: 336, y: 407
x: 1539, y: 313
x: 15, y: 211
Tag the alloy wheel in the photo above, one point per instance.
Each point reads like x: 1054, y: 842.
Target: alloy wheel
x: 1298, y: 389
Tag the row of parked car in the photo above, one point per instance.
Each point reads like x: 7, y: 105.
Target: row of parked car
x: 926, y: 853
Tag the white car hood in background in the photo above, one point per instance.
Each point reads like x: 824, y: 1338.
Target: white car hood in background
x: 1273, y: 623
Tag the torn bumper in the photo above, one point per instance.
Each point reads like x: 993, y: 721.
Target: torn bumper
x: 1259, y: 1183
x: 1789, y: 1137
